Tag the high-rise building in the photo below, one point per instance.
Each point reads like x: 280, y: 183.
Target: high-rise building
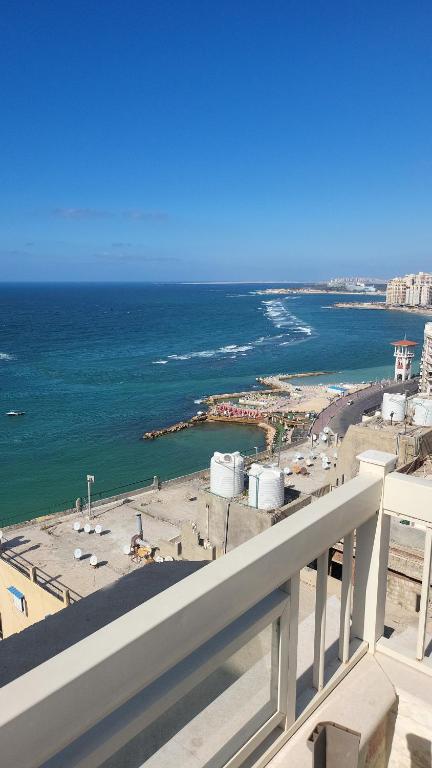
x: 396, y: 291
x: 413, y: 290
x: 426, y: 362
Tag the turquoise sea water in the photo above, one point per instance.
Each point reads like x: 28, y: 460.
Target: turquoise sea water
x: 95, y: 366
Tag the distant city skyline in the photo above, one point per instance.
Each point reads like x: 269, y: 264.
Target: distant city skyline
x: 162, y: 141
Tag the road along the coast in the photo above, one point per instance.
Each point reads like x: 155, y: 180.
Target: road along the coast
x: 339, y: 415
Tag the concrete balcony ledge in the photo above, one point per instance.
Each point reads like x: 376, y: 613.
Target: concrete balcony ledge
x: 365, y: 702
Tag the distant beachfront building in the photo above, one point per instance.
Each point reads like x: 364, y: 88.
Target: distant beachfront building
x: 396, y: 291
x: 412, y: 290
x: 351, y: 284
x: 426, y: 362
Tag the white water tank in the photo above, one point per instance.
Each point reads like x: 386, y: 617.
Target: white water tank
x: 422, y: 412
x: 227, y: 474
x: 266, y: 487
x: 395, y: 404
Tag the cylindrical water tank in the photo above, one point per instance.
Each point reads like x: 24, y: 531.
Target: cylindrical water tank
x: 393, y: 404
x: 266, y: 487
x: 227, y: 474
x: 423, y: 412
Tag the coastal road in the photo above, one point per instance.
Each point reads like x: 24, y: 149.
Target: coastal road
x: 352, y: 414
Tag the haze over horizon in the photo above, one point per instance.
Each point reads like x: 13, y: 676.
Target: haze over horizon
x: 161, y: 141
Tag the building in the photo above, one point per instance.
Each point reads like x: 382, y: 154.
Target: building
x: 27, y: 594
x: 404, y: 355
x: 426, y: 362
x: 412, y: 290
x: 352, y: 284
x: 419, y: 290
x: 396, y: 291
x: 255, y: 659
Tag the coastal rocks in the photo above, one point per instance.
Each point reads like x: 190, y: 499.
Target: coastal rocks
x: 212, y: 399
x: 175, y: 427
x: 279, y: 381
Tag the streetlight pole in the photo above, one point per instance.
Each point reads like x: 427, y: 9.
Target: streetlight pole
x: 90, y: 481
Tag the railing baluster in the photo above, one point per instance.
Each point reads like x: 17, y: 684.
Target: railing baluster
x: 320, y: 621
x: 288, y: 652
x: 424, y: 600
x: 346, y: 598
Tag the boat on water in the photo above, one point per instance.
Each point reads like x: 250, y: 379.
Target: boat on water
x: 15, y: 413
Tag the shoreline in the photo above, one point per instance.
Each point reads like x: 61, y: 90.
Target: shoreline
x: 275, y: 383
x: 314, y: 291
x: 381, y: 305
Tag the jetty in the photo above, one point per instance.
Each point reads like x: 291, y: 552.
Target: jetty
x: 277, y: 380
x: 211, y: 399
x: 154, y: 433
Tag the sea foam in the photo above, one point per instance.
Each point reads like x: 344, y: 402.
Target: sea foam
x: 280, y: 316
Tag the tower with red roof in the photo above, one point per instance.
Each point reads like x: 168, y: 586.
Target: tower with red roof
x: 404, y: 355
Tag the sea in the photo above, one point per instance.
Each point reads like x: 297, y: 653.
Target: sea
x: 94, y: 366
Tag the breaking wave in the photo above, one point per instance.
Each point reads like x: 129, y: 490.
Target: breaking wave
x: 292, y: 330
x: 277, y: 311
x: 6, y: 356
x: 229, y: 349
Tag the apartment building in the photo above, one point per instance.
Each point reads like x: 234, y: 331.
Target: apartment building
x: 412, y: 290
x: 396, y: 291
x: 426, y: 362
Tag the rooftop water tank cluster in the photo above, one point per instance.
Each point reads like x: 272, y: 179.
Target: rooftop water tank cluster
x: 393, y: 407
x: 266, y: 486
x: 227, y: 474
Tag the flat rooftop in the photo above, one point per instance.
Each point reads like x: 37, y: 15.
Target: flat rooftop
x: 49, y: 543
x: 377, y: 423
x: 317, y: 477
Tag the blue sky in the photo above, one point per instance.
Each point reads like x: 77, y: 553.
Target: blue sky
x: 259, y: 140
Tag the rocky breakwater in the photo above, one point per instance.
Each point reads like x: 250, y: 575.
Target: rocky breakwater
x: 199, y: 419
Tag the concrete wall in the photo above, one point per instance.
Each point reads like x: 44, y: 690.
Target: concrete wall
x: 361, y: 438
x: 243, y: 521
x: 38, y: 601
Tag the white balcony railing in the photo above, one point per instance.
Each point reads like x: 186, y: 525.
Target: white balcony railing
x: 82, y: 706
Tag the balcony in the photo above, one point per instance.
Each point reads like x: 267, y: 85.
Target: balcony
x: 239, y: 663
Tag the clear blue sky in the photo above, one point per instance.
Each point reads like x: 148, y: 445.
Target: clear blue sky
x: 221, y: 140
